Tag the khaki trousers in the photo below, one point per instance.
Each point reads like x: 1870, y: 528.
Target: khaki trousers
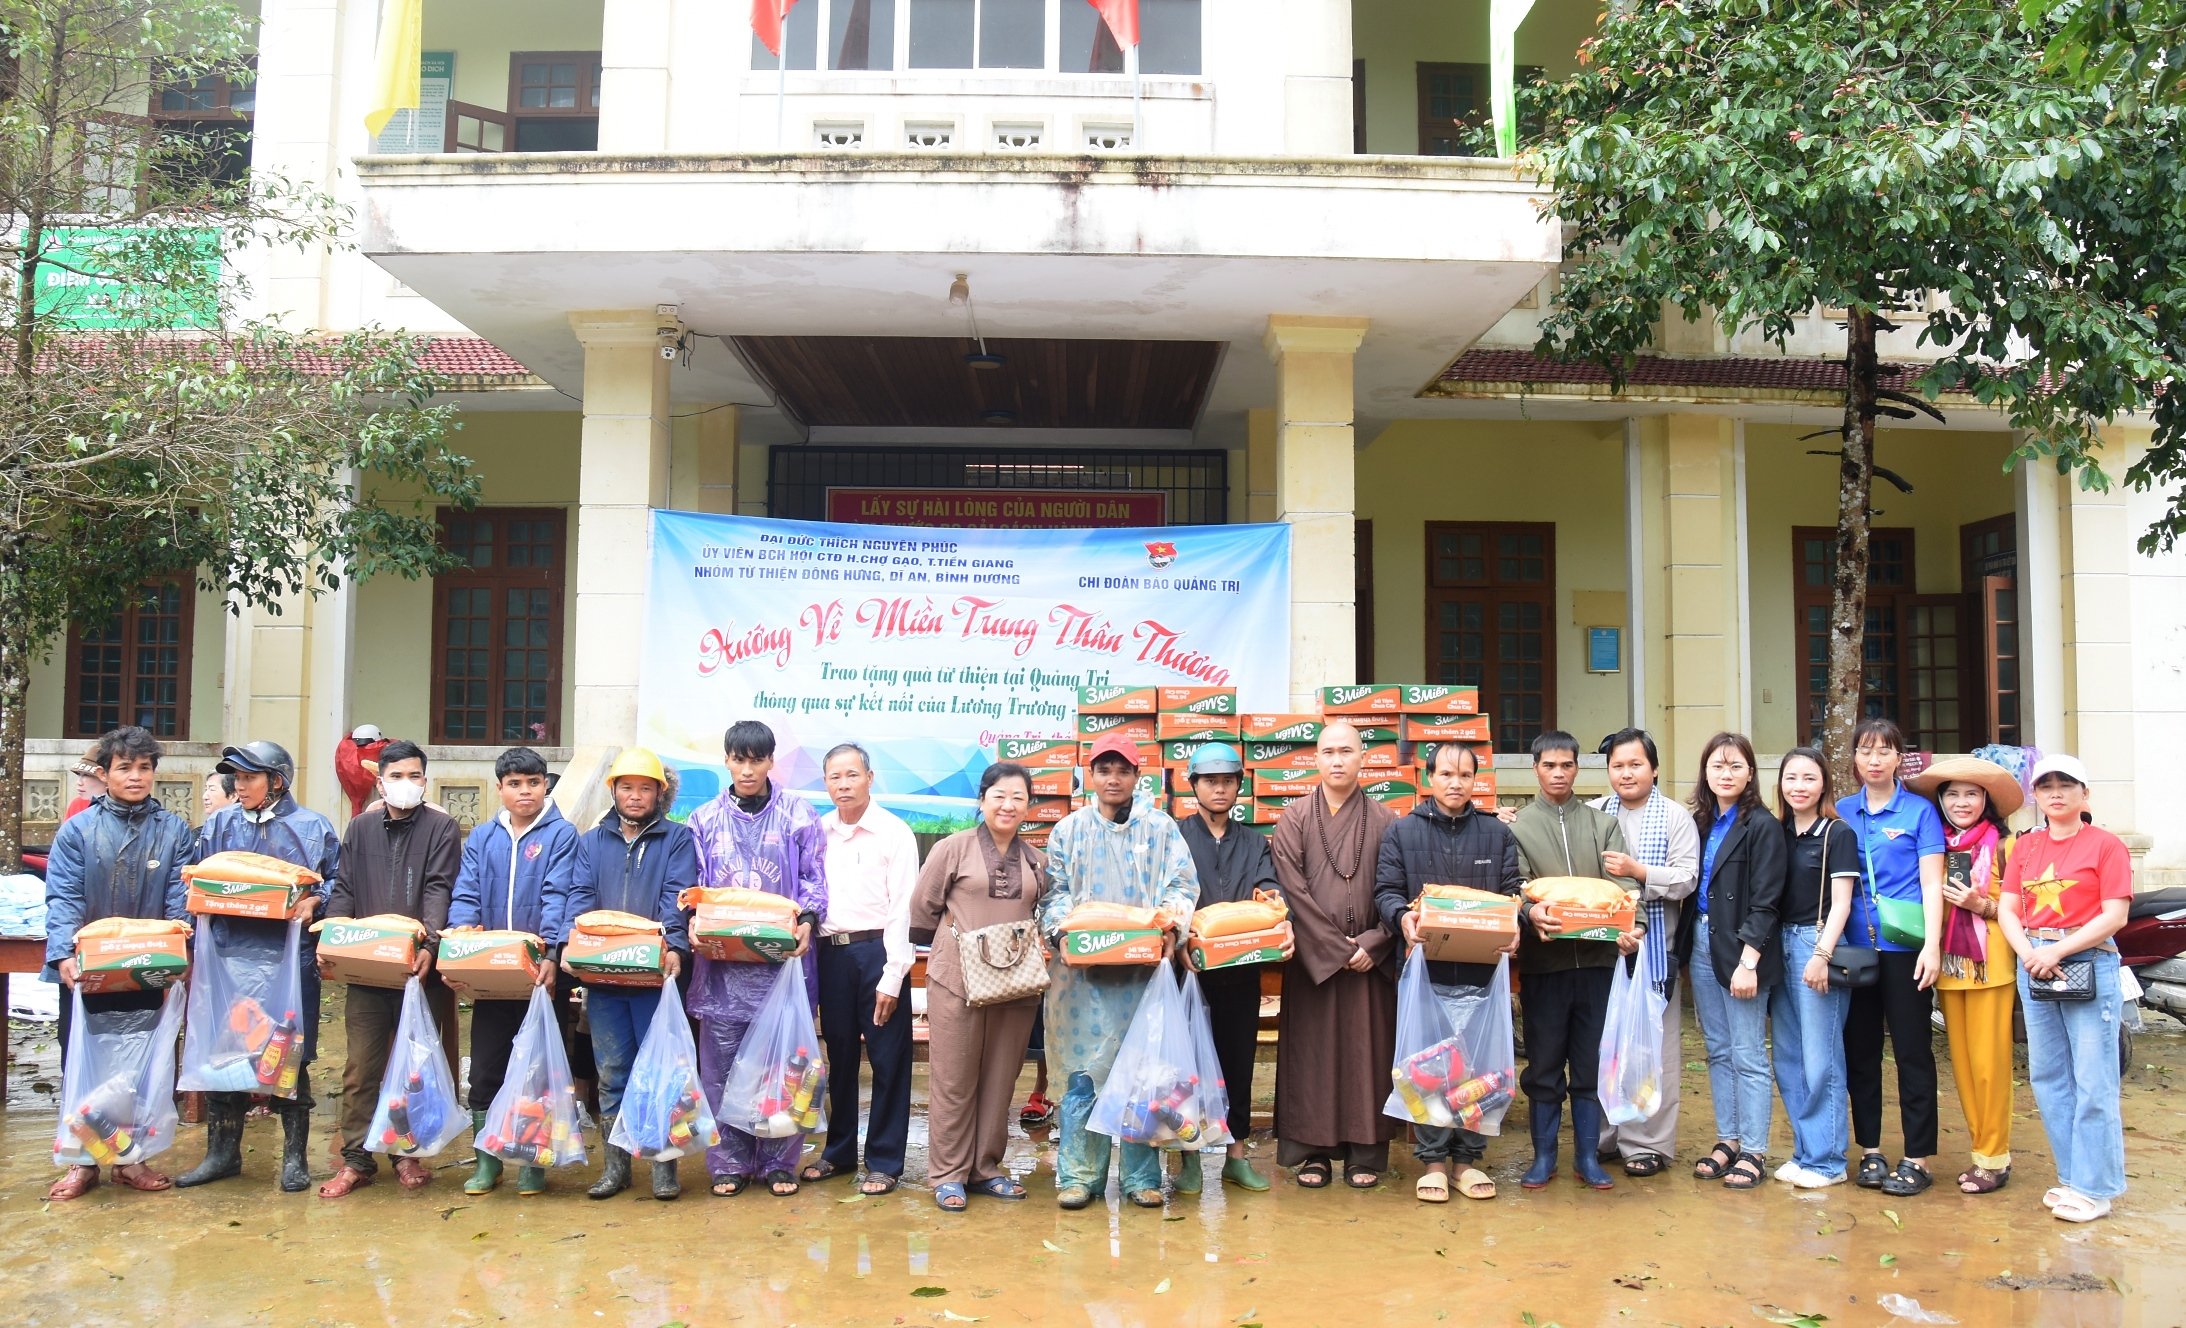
x: 973, y: 1059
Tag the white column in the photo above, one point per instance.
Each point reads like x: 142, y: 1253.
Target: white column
x: 637, y: 42
x: 1315, y: 487
x: 2041, y: 609
x: 622, y: 475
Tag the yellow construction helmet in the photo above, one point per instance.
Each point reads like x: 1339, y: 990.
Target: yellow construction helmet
x: 640, y: 762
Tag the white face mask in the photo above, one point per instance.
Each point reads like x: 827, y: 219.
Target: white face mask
x: 402, y: 794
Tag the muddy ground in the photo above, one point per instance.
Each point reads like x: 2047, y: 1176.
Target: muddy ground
x: 1668, y: 1250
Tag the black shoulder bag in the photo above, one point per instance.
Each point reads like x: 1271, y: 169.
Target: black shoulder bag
x: 1850, y: 966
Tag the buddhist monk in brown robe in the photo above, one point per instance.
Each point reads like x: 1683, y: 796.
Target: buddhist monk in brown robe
x: 1339, y: 1029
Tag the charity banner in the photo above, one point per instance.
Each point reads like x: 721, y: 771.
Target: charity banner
x: 1024, y: 508
x: 927, y: 645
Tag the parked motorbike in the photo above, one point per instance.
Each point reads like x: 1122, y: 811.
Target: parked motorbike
x: 2152, y: 947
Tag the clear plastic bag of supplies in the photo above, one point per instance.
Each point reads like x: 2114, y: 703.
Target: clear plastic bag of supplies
x: 1152, y: 1094
x: 535, y: 1120
x: 1214, y: 1093
x: 418, y: 1113
x: 777, y: 1085
x: 118, y: 1091
x: 1446, y: 1074
x: 1631, y: 1073
x: 245, y: 1031
x: 664, y: 1111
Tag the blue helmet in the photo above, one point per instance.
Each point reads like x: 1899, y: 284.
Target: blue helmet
x: 1214, y: 758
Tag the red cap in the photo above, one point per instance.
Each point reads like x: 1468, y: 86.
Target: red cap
x: 1114, y: 744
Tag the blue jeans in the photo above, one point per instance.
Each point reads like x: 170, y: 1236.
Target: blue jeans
x: 1081, y: 1158
x: 618, y: 1017
x: 1738, y: 1060
x: 1808, y: 1050
x: 2072, y: 1061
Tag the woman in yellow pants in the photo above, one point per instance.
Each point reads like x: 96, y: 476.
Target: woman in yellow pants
x: 1976, y: 985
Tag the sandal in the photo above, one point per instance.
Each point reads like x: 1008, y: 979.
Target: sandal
x: 1036, y: 1111
x: 2055, y: 1195
x: 1433, y: 1187
x: 2079, y: 1208
x: 1314, y: 1174
x: 412, y: 1173
x: 949, y: 1197
x: 776, y: 1179
x: 1874, y: 1169
x: 1645, y: 1164
x: 1907, y: 1181
x: 821, y: 1170
x: 1744, y: 1174
x: 74, y: 1183
x: 1719, y: 1160
x: 347, y: 1179
x: 138, y: 1176
x: 999, y: 1187
x: 1474, y: 1183
x: 1981, y: 1180
x: 1352, y: 1175
x: 877, y: 1183
x: 728, y: 1187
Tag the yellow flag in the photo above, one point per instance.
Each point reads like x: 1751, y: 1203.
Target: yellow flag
x: 397, y: 62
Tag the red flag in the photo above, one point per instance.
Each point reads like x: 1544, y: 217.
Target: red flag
x: 767, y: 17
x: 1121, y: 16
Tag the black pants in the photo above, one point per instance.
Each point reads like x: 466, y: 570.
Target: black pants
x: 848, y: 976
x: 493, y: 1035
x: 1233, y: 1016
x: 1896, y: 1004
x: 1565, y: 1013
x: 114, y: 1012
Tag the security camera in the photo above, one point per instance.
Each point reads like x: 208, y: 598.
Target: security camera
x: 669, y: 350
x: 671, y: 341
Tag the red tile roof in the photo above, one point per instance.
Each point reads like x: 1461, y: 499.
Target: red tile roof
x: 471, y: 357
x: 1666, y: 373
x: 473, y: 362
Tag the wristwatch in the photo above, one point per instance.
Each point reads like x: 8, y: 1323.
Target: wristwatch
x: 1750, y: 965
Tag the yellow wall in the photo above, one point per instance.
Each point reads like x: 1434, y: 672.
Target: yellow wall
x: 49, y: 679
x: 1393, y: 36
x: 482, y: 33
x: 1572, y: 474
x: 523, y: 460
x: 1957, y: 479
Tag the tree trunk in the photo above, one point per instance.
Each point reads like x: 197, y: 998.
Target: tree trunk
x: 15, y: 652
x: 1844, y: 706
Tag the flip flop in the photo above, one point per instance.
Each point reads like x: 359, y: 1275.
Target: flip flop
x: 1474, y: 1183
x: 999, y: 1187
x: 1433, y: 1187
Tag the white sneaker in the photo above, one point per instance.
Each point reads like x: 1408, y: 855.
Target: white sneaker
x: 1789, y: 1173
x: 1815, y: 1180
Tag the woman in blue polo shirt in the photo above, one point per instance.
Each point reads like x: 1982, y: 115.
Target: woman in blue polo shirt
x: 1897, y: 907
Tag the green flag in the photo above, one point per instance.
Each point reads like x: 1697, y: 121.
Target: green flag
x: 1504, y: 16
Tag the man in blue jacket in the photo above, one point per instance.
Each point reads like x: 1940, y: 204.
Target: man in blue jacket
x: 264, y: 818
x: 121, y: 857
x: 636, y: 861
x: 516, y: 875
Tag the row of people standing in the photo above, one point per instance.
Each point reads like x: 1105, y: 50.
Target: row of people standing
x: 1831, y: 928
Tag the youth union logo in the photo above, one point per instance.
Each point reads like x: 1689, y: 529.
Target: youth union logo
x: 1160, y: 552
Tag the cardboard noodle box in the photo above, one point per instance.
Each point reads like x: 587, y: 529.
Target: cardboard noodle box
x: 1239, y: 948
x: 1446, y: 728
x: 1461, y: 926
x: 491, y: 965
x: 1170, y: 727
x: 370, y: 952
x: 1378, y: 736
x: 1280, y: 756
x: 141, y: 960
x: 1287, y: 785
x: 1280, y: 728
x: 1153, y: 782
x: 1434, y: 699
x: 1116, y: 700
x: 1038, y: 753
x: 1047, y: 810
x: 1149, y: 754
x: 1266, y: 811
x: 1584, y: 906
x: 619, y: 959
x: 1133, y: 728
x: 1364, y: 698
x: 1423, y: 756
x: 1053, y: 781
x: 740, y: 926
x: 1095, y: 947
x: 1389, y: 790
x: 246, y: 885
x: 1196, y: 700
x: 1381, y: 756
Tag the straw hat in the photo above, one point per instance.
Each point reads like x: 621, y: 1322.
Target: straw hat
x: 2002, y: 786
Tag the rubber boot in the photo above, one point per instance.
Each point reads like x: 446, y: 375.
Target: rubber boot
x: 1548, y: 1122
x: 615, y: 1172
x: 295, y: 1145
x: 488, y: 1173
x: 665, y: 1184
x: 223, y: 1140
x: 530, y: 1181
x: 1586, y: 1131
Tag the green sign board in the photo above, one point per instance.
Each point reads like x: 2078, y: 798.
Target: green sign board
x: 94, y: 277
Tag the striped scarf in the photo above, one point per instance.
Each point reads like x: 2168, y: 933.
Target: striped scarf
x: 1649, y: 841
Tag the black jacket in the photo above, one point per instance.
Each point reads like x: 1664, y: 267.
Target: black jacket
x: 408, y: 873
x: 1431, y: 847
x: 1744, y: 891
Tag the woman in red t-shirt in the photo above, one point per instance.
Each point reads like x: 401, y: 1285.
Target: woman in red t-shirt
x: 2066, y: 890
